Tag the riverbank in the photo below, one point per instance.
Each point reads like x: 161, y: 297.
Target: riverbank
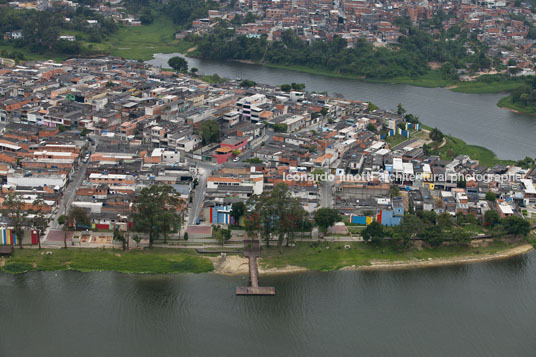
x: 325, y: 256
x: 507, y: 104
x: 485, y: 84
x: 334, y: 256
x: 149, y: 261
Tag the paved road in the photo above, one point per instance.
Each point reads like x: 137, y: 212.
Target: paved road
x: 326, y: 194
x: 69, y: 194
x: 204, y: 170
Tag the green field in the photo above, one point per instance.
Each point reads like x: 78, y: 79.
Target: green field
x: 394, y: 140
x: 29, y: 55
x: 455, y: 147
x: 153, y: 261
x: 431, y: 79
x: 328, y: 256
x: 130, y: 42
x: 507, y: 103
x: 476, y: 87
x: 142, y: 42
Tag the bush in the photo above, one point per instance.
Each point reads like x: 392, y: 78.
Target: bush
x: 185, y: 236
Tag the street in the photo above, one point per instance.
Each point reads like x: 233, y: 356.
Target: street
x: 326, y: 194
x: 205, y: 170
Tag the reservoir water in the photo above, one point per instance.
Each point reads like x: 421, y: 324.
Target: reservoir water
x: 475, y: 118
x: 483, y: 309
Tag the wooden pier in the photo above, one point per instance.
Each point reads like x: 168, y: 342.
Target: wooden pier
x: 252, y: 251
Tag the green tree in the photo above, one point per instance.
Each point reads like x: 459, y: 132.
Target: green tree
x: 371, y: 107
x: 326, y: 217
x: 516, y: 225
x: 155, y: 211
x: 436, y: 135
x: 409, y: 229
x: 119, y: 236
x: 246, y: 83
x: 490, y: 196
x: 491, y: 218
x: 77, y: 216
x: 286, y: 87
x: 319, y: 175
x: 237, y: 210
x: 276, y: 213
x: 444, y: 220
x: 298, y: 86
x: 373, y: 232
x: 433, y: 235
x: 394, y: 191
x: 210, y: 131
x: 461, y: 236
x: 40, y: 218
x: 428, y: 217
x: 400, y: 109
x: 221, y: 235
x: 14, y: 207
x: 179, y: 64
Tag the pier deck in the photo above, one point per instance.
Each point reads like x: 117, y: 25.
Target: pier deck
x: 252, y: 250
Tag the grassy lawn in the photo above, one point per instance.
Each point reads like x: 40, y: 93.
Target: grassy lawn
x: 141, y: 42
x: 355, y: 229
x: 395, y: 140
x: 507, y: 102
x: 455, y: 146
x: 421, y: 134
x: 317, y: 257
x: 154, y: 261
x: 431, y: 79
x: 131, y: 42
x: 31, y: 56
x: 487, y: 87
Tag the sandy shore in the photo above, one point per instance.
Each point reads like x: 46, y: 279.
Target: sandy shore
x: 236, y: 265
x: 389, y: 265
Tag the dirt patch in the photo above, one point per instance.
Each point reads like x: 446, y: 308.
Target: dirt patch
x: 236, y: 265
x: 230, y: 265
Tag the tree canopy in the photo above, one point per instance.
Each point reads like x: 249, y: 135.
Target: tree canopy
x: 275, y: 213
x: 155, y: 211
x: 326, y: 217
x: 178, y: 63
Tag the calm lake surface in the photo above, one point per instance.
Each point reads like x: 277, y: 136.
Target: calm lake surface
x: 484, y: 309
x: 475, y: 118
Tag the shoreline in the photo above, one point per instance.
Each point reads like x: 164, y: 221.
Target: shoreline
x: 236, y: 265
x: 503, y: 103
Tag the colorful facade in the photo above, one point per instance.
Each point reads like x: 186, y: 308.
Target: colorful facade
x: 8, y: 237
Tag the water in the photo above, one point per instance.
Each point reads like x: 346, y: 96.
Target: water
x: 484, y: 309
x: 475, y: 118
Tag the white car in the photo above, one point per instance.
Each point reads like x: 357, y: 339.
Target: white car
x: 236, y: 159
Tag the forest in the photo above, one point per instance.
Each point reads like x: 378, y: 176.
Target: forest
x: 41, y: 29
x: 408, y: 58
